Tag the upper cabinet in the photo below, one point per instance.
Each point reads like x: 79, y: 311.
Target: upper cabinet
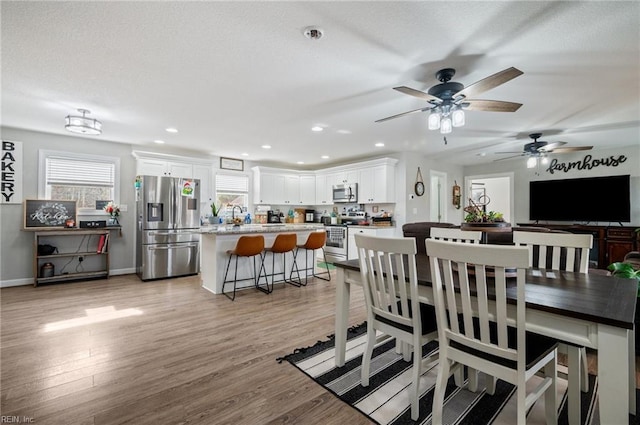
x: 272, y: 186
x: 307, y: 189
x: 158, y: 167
x: 377, y: 184
x: 323, y: 189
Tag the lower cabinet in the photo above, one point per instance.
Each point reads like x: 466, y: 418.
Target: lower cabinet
x: 70, y: 254
x: 352, y: 251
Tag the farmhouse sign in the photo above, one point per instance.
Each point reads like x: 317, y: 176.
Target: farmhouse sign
x: 11, y: 173
x: 587, y: 163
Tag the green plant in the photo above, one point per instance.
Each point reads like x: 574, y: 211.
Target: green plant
x: 215, y: 210
x: 625, y: 270
x: 478, y: 216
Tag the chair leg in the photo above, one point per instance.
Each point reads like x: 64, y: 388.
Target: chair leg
x: 368, y: 353
x: 224, y: 282
x: 292, y: 282
x: 414, y: 396
x: 441, y: 386
x: 550, y: 396
x: 266, y: 290
x: 328, y: 273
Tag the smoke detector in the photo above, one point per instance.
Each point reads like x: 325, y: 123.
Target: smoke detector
x: 313, y: 33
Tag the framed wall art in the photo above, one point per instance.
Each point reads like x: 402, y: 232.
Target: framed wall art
x: 231, y: 164
x: 40, y: 213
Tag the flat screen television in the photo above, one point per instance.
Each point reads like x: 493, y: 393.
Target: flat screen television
x: 587, y: 199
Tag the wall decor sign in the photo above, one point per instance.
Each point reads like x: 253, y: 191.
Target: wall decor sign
x: 11, y: 172
x: 231, y: 164
x: 587, y: 163
x: 48, y: 213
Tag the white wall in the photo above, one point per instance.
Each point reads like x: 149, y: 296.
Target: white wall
x: 523, y: 175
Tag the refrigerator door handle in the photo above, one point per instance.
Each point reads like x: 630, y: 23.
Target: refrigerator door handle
x: 166, y: 247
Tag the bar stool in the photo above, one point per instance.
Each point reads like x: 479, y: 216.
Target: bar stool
x: 284, y: 242
x: 316, y: 240
x: 247, y: 246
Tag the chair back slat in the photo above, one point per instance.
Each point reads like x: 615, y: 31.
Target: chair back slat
x: 456, y: 235
x: 382, y: 260
x: 488, y: 271
x: 568, y: 251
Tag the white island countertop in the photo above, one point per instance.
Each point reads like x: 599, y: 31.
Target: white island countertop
x: 225, y: 229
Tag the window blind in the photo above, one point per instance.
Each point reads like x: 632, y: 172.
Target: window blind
x: 69, y: 171
x: 232, y: 183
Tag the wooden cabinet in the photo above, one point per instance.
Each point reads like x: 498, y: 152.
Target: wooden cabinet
x: 79, y: 255
x: 620, y: 241
x: 158, y: 167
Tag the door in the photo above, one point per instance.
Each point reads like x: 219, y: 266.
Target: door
x: 438, y: 198
x: 168, y: 260
x: 156, y: 204
x: 187, y: 203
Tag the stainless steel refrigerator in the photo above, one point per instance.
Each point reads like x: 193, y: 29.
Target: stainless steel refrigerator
x: 168, y: 214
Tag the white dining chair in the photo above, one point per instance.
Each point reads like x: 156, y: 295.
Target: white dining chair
x: 570, y: 252
x: 394, y: 309
x: 456, y: 235
x: 473, y: 329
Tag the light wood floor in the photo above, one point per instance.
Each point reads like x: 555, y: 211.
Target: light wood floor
x: 165, y: 352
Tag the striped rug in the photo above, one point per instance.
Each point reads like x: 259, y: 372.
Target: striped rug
x: 386, y: 401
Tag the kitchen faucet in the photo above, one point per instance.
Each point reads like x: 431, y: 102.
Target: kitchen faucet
x: 233, y: 211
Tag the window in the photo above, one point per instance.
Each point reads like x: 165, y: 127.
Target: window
x: 79, y: 177
x: 232, y: 190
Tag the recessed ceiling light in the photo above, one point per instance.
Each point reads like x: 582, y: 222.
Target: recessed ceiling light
x: 325, y: 157
x: 266, y: 146
x: 244, y: 154
x: 300, y: 162
x: 482, y: 154
x: 171, y: 130
x: 379, y: 145
x: 158, y: 141
x: 317, y: 128
x: 343, y: 131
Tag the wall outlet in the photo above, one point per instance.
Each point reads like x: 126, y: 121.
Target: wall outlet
x: 415, y: 211
x: 123, y: 207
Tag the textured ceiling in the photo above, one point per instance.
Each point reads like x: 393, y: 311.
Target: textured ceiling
x: 232, y: 76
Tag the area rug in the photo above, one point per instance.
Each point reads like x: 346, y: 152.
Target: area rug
x: 385, y: 401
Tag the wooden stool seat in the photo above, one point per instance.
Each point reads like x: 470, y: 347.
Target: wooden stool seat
x: 247, y: 247
x: 284, y: 242
x: 315, y: 240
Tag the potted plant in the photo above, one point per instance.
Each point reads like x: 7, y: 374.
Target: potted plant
x: 213, y: 218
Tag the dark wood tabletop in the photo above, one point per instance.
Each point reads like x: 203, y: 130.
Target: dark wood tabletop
x: 587, y: 296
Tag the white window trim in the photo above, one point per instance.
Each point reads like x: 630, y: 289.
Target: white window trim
x: 42, y: 166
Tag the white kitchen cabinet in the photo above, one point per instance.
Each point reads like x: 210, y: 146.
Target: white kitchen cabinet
x: 158, y: 167
x: 269, y: 188
x: 352, y: 251
x: 307, y: 189
x: 324, y: 195
x: 292, y: 190
x: 204, y: 174
x: 344, y: 176
x: 376, y: 184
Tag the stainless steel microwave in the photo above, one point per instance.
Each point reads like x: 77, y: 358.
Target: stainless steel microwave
x: 345, y: 193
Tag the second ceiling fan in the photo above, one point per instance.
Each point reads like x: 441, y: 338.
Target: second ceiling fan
x: 540, y: 148
x: 448, y: 100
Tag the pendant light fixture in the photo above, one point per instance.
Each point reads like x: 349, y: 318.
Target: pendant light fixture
x: 445, y: 117
x: 83, y: 124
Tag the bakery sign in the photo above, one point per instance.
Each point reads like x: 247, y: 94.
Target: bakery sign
x: 11, y: 173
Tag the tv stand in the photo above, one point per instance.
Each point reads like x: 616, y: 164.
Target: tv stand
x: 610, y: 244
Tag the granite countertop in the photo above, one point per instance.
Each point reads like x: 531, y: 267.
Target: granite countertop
x: 229, y: 229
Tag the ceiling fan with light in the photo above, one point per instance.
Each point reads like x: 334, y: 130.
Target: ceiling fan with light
x: 540, y: 149
x: 448, y: 100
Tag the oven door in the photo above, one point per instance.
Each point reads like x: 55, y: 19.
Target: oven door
x: 336, y: 245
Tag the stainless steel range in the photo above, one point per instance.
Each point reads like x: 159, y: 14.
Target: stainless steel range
x: 336, y: 245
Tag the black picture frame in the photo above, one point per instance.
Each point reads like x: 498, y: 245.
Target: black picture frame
x: 101, y: 204
x: 231, y: 164
x: 47, y: 213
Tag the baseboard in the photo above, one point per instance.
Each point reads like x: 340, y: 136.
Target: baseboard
x: 29, y: 280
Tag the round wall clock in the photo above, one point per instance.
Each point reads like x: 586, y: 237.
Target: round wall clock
x: 419, y: 187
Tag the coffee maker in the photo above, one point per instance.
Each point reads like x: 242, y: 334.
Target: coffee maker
x: 273, y: 216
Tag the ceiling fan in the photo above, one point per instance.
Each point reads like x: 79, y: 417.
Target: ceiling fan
x: 540, y: 149
x: 447, y: 100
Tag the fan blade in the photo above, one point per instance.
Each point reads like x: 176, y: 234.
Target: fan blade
x: 572, y: 149
x: 490, y: 105
x: 507, y: 157
x: 490, y: 82
x: 419, y: 94
x: 402, y: 114
x: 507, y: 152
x: 551, y: 146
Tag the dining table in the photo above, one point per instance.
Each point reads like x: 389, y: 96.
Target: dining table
x: 588, y: 309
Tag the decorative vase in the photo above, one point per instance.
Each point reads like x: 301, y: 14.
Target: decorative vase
x: 113, y: 221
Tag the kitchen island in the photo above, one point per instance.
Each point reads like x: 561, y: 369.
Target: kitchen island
x: 216, y: 240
